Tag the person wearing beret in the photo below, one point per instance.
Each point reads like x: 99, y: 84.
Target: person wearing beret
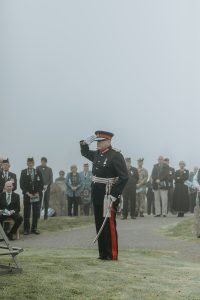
x: 6, y: 175
x: 31, y: 184
x: 109, y: 178
x: 129, y: 192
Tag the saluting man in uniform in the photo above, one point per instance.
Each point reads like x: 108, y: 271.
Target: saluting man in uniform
x: 109, y: 178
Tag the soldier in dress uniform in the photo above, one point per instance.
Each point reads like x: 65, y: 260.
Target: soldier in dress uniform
x: 109, y: 178
x: 31, y: 183
x: 6, y: 175
x: 129, y: 192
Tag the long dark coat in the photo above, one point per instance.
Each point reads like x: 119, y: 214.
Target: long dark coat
x: 181, y: 195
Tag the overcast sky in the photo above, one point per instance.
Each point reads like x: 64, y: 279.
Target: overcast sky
x: 68, y: 68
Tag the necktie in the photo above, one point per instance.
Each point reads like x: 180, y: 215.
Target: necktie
x: 6, y: 176
x: 8, y: 199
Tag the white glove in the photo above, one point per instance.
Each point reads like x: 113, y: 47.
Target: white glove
x: 45, y: 187
x: 89, y: 140
x: 112, y: 199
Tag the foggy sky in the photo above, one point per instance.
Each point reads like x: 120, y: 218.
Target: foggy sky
x: 68, y: 68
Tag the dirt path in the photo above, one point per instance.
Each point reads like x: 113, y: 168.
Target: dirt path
x: 142, y: 233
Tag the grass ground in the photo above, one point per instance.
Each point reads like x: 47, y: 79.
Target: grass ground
x: 65, y: 223
x: 140, y: 274
x: 77, y: 274
x: 182, y: 229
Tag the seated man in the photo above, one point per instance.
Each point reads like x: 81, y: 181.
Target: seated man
x: 10, y: 208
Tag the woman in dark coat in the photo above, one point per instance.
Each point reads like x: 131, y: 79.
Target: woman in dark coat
x: 181, y: 195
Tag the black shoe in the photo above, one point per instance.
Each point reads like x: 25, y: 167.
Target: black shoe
x: 133, y: 218
x: 123, y: 218
x: 164, y: 216
x: 100, y: 257
x: 157, y: 216
x: 142, y: 215
x: 107, y: 258
x: 35, y: 231
x: 26, y: 232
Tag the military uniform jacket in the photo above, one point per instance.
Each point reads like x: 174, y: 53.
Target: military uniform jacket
x: 14, y: 204
x: 107, y: 164
x: 29, y: 185
x: 11, y: 177
x: 161, y: 173
x: 133, y: 178
x: 47, y: 175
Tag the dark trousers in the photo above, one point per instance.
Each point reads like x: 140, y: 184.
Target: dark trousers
x: 170, y: 200
x: 108, y: 240
x: 86, y: 209
x: 73, y: 201
x: 150, y: 202
x: 27, y: 213
x: 17, y: 218
x: 45, y: 202
x: 129, y: 202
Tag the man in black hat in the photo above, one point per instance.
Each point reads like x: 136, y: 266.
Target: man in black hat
x: 129, y: 192
x: 109, y: 178
x: 47, y: 176
x: 6, y: 175
x: 31, y: 183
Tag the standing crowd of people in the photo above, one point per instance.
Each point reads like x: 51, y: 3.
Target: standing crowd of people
x: 165, y: 190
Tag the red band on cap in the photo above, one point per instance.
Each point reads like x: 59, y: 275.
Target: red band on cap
x: 104, y: 136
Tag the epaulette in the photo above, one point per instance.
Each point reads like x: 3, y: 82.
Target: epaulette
x: 117, y: 150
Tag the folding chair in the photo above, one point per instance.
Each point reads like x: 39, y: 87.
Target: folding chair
x: 9, y: 250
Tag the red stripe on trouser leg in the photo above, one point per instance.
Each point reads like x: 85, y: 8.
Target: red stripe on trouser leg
x: 113, y: 235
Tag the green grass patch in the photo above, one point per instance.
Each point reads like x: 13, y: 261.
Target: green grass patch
x: 54, y: 224
x: 77, y: 274
x: 182, y: 230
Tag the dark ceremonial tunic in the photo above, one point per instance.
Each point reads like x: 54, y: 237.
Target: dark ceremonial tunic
x: 10, y: 177
x: 33, y: 184
x: 171, y: 189
x: 107, y: 164
x: 129, y: 192
x: 181, y: 195
x: 13, y: 205
x: 160, y: 172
